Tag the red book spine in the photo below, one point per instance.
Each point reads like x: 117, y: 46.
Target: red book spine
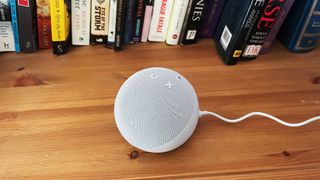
x: 44, y: 24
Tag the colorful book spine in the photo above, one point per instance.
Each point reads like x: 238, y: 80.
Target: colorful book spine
x: 130, y: 16
x: 44, y: 24
x: 27, y: 21
x: 99, y: 21
x: 211, y: 19
x: 301, y: 29
x: 80, y: 22
x: 277, y: 24
x: 147, y: 20
x: 120, y: 19
x: 6, y: 33
x: 160, y: 20
x: 112, y: 21
x: 60, y: 25
x: 192, y: 22
x: 136, y: 36
x: 15, y: 27
x: 262, y: 28
x: 176, y: 21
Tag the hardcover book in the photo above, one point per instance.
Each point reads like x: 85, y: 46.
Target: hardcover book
x: 44, y: 24
x: 6, y: 33
x: 137, y: 30
x: 176, y: 21
x: 277, y: 24
x: 130, y: 19
x: 211, y: 18
x: 112, y: 21
x: 60, y: 25
x: 192, y: 22
x: 233, y: 30
x: 27, y: 18
x: 80, y: 22
x: 160, y: 20
x: 120, y: 18
x: 147, y: 20
x: 15, y: 27
x: 99, y: 21
x: 262, y: 28
x: 301, y: 29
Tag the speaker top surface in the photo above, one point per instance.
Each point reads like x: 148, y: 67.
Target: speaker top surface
x: 156, y: 107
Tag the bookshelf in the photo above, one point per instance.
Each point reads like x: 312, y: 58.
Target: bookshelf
x: 56, y: 115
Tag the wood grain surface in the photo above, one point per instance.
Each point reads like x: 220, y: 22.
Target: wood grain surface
x: 57, y: 121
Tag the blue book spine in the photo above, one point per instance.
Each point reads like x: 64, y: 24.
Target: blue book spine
x: 131, y: 6
x: 301, y: 29
x: 15, y: 29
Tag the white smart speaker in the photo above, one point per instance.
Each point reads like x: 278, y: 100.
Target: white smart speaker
x: 157, y: 110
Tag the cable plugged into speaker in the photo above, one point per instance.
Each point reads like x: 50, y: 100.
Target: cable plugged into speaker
x: 204, y: 113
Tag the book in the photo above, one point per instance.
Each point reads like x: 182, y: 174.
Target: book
x: 27, y: 21
x: 119, y: 31
x: 262, y: 28
x: 234, y: 28
x: 6, y: 33
x: 99, y: 21
x: 192, y: 22
x: 176, y: 21
x: 44, y: 24
x: 211, y: 18
x: 15, y: 27
x: 301, y: 29
x: 60, y: 11
x: 112, y: 21
x: 137, y: 30
x: 274, y: 30
x: 160, y: 20
x: 147, y: 20
x: 130, y: 18
x: 80, y: 22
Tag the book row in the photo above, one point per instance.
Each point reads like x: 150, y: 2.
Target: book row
x: 241, y: 29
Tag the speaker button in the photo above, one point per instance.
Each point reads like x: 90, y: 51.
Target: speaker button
x: 153, y: 76
x: 169, y: 85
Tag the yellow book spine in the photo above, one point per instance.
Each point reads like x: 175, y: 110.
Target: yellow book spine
x: 60, y: 20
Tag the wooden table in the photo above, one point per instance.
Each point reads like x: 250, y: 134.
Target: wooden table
x: 56, y: 115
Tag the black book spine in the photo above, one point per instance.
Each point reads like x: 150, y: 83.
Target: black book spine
x: 192, y: 22
x: 262, y: 28
x: 254, y: 13
x: 120, y: 19
x: 27, y: 19
x: 138, y: 21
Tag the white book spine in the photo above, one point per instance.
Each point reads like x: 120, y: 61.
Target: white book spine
x: 80, y: 19
x: 99, y: 17
x: 6, y: 33
x: 112, y: 21
x: 176, y: 21
x: 160, y: 20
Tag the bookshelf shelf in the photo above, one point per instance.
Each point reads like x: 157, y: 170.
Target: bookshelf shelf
x: 56, y: 114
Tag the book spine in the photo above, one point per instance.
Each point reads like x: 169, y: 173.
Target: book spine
x: 6, y: 33
x: 80, y: 22
x: 99, y: 21
x: 160, y: 20
x: 262, y: 28
x: 176, y: 21
x: 252, y: 16
x: 130, y: 13
x: 211, y: 18
x: 60, y: 25
x: 193, y: 22
x: 15, y: 29
x: 112, y: 21
x: 27, y: 18
x: 139, y: 21
x: 119, y: 25
x: 274, y: 30
x: 147, y: 20
x: 44, y: 24
x: 310, y: 31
